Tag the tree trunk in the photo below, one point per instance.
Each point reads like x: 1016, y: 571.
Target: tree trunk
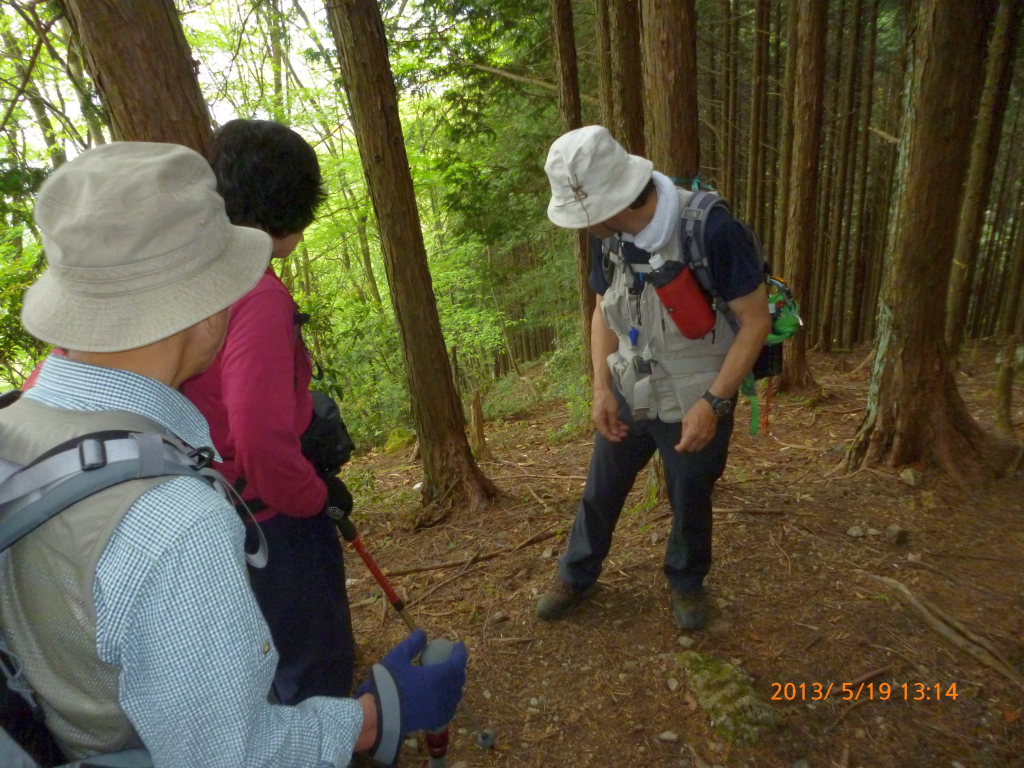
x: 569, y: 110
x: 604, y: 62
x: 844, y: 138
x: 984, y: 152
x: 451, y: 474
x: 670, y: 69
x: 628, y: 90
x: 812, y: 22
x: 1014, y: 344
x: 155, y: 97
x: 758, y: 87
x: 915, y: 412
x: 786, y: 150
x: 860, y: 243
x: 731, y: 29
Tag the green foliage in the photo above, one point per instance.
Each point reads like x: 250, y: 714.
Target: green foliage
x: 20, y: 265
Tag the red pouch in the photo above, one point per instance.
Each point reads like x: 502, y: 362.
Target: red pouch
x: 687, y: 305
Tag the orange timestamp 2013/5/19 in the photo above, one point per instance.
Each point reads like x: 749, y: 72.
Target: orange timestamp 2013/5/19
x: 857, y: 691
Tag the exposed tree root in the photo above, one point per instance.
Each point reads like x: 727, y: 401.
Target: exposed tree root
x: 955, y: 633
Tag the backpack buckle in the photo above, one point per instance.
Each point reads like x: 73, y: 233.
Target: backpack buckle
x: 92, y: 454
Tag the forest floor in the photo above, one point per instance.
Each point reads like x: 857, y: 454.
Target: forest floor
x: 793, y: 601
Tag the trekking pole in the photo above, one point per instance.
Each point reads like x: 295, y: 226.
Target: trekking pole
x: 483, y: 737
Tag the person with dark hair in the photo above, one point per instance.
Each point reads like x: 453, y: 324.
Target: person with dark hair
x: 128, y: 613
x: 257, y: 399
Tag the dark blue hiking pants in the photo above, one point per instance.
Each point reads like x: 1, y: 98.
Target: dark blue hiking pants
x: 302, y: 595
x: 613, y: 468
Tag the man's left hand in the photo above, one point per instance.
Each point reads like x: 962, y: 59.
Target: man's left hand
x: 699, y: 426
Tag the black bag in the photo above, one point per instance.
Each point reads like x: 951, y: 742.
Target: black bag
x: 326, y: 442
x: 26, y: 725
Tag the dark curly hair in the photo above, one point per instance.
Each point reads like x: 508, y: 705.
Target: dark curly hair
x: 268, y: 176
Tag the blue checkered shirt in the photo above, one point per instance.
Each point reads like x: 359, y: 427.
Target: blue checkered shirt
x: 175, y: 614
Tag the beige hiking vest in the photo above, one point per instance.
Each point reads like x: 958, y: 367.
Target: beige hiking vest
x: 47, y: 613
x: 681, y: 369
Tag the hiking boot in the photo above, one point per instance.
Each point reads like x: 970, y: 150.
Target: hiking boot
x: 561, y: 599
x: 690, y: 609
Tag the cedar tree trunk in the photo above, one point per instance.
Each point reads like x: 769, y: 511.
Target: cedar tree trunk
x: 451, y: 474
x: 150, y: 97
x: 915, y: 412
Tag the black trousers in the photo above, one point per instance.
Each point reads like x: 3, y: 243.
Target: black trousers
x: 301, y: 592
x: 613, y: 468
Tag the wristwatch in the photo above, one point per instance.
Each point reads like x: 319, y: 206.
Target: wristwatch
x: 719, y: 405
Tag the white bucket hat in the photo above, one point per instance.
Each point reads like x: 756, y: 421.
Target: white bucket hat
x: 592, y: 177
x: 138, y: 248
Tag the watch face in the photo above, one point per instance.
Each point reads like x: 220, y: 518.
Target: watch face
x: 723, y: 407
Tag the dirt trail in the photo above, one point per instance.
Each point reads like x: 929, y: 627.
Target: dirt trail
x: 793, y: 601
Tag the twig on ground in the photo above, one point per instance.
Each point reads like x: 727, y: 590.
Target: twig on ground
x: 961, y: 641
x: 871, y: 675
x: 967, y: 556
x: 789, y: 565
x: 845, y: 712
x: 918, y: 666
x: 547, y: 533
x: 469, y: 564
x: 959, y: 582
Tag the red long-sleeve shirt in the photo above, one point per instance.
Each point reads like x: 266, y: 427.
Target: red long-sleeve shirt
x: 256, y: 398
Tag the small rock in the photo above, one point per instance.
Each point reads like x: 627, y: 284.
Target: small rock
x: 654, y: 537
x: 487, y: 695
x: 623, y: 676
x: 523, y: 574
x: 673, y: 684
x: 460, y: 764
x: 410, y: 744
x: 911, y: 477
x: 498, y: 617
x: 855, y: 531
x: 617, y: 623
x: 800, y: 764
x: 668, y: 736
x: 532, y: 711
x: 584, y: 669
x: 534, y: 702
x: 874, y: 532
x: 463, y: 731
x: 912, y: 558
x: 955, y: 764
x: 860, y: 733
x: 722, y: 602
x: 897, y: 535
x: 686, y: 641
x: 548, y: 552
x: 719, y: 627
x: 417, y: 487
x: 642, y: 749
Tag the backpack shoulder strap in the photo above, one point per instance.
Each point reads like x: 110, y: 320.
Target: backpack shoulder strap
x: 693, y: 247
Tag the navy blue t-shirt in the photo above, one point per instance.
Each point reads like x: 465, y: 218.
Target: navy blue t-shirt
x: 735, y: 268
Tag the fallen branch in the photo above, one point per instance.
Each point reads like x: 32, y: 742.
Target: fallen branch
x: 725, y: 511
x: 446, y: 582
x: 962, y: 641
x: 542, y: 536
x: 530, y: 80
x: 870, y: 675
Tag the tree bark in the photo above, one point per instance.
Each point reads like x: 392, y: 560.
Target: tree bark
x: 786, y: 150
x: 841, y: 187
x: 451, y: 474
x: 915, y: 413
x: 624, y: 16
x: 670, y: 93
x: 758, y: 86
x: 731, y: 28
x: 155, y: 97
x: 984, y: 152
x: 570, y: 111
x: 812, y: 21
x: 604, y: 61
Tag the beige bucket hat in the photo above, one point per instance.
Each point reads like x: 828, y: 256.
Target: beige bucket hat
x: 592, y: 177
x: 138, y: 248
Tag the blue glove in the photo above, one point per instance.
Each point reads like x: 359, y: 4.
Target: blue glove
x: 411, y: 697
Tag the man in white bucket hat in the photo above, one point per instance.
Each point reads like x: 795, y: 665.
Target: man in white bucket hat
x: 654, y: 388
x: 130, y: 611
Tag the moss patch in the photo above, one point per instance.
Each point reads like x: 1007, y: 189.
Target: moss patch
x: 398, y: 439
x: 724, y: 691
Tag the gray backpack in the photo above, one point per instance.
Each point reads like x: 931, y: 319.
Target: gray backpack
x: 32, y: 494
